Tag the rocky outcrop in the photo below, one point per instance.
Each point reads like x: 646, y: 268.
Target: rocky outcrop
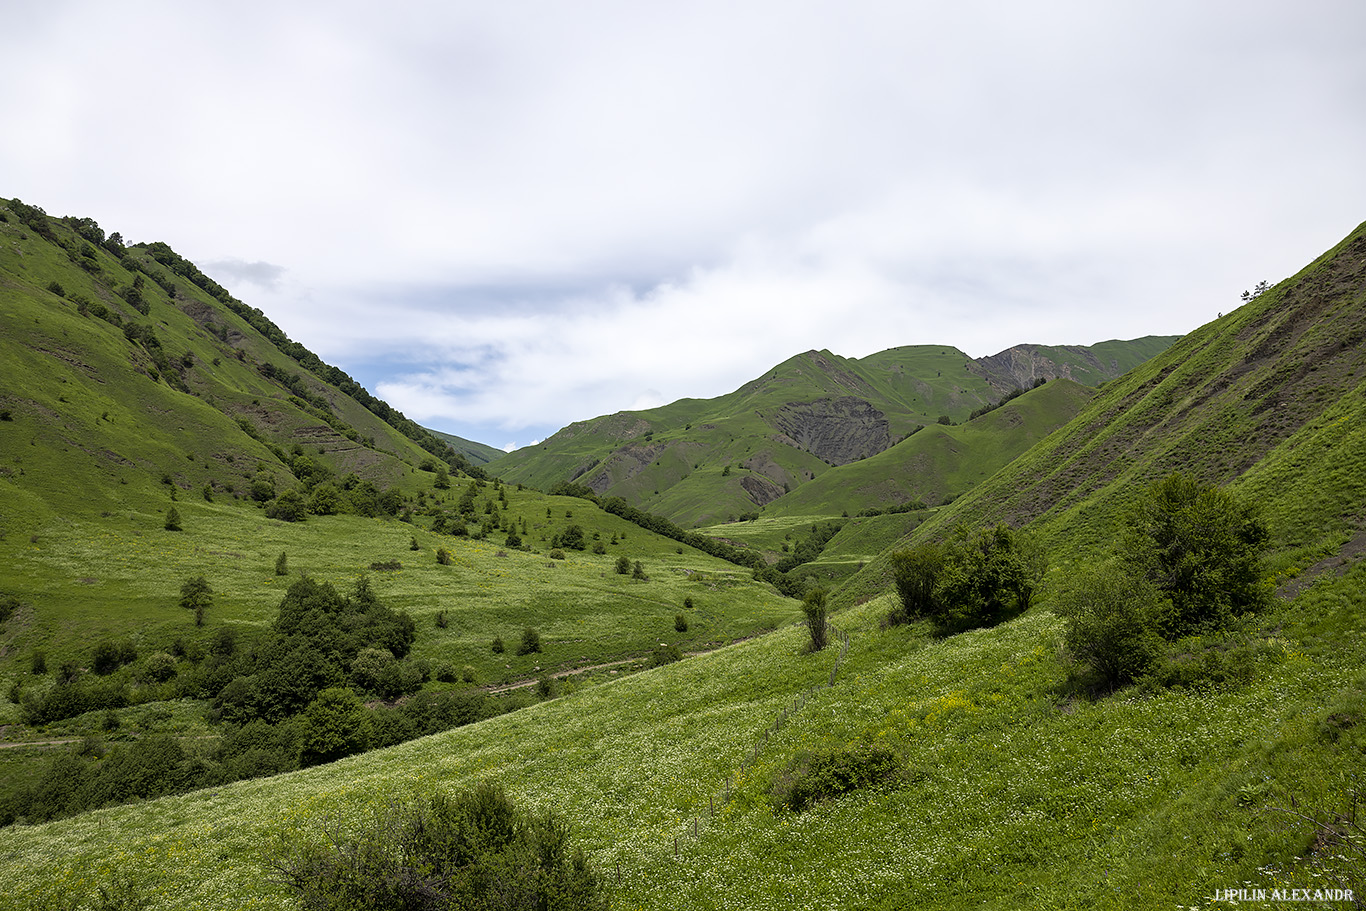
x: 836, y: 430
x: 623, y: 464
x: 760, y: 489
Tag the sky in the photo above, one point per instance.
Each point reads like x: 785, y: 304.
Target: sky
x: 505, y: 217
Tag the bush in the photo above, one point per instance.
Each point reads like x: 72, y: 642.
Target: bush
x: 824, y: 776
x: 498, y: 645
x: 196, y: 595
x: 172, y: 522
x: 814, y: 607
x: 443, y: 556
x: 680, y: 623
x: 335, y: 725
x: 1114, y: 626
x: 915, y: 573
x: 1201, y: 548
x: 531, y: 642
x: 638, y: 572
x: 556, y: 554
x: 985, y: 578
x: 282, y: 564
x: 623, y: 565
x: 473, y: 850
x: 665, y: 654
x: 110, y: 656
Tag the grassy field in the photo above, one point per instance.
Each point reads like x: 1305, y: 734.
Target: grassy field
x: 1015, y: 791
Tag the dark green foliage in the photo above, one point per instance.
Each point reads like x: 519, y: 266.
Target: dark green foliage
x: 680, y: 623
x: 556, y: 554
x: 1115, y: 622
x: 288, y: 507
x: 638, y: 571
x: 473, y: 850
x: 827, y: 775
x: 915, y: 573
x: 514, y: 539
x: 531, y: 642
x: 335, y: 724
x: 985, y: 578
x: 1200, y: 547
x: 572, y: 538
x: 110, y: 656
x: 623, y: 565
x: 545, y: 687
x: 282, y: 564
x: 172, y: 522
x: 665, y: 654
x: 8, y: 605
x: 197, y: 595
x: 811, y: 545
x: 815, y: 609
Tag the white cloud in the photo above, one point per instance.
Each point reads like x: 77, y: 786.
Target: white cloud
x: 516, y: 217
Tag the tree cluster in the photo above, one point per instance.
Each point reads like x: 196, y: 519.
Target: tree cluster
x: 976, y: 578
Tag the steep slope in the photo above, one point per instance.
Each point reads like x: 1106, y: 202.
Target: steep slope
x: 699, y: 461
x: 477, y: 453
x: 940, y: 462
x: 1270, y: 399
x: 130, y: 374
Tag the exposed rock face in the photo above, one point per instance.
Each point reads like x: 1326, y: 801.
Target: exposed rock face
x: 837, y: 430
x: 760, y: 489
x: 625, y: 463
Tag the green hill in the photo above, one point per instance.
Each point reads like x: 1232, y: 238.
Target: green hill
x: 1013, y: 788
x: 476, y: 453
x: 699, y: 462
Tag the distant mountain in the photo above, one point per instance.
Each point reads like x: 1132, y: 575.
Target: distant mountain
x: 476, y: 453
x: 1269, y: 399
x: 699, y: 460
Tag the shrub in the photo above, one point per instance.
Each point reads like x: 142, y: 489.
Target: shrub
x: 443, y: 556
x: 814, y: 607
x: 556, y: 554
x: 158, y: 668
x: 335, y: 725
x: 282, y: 564
x: 470, y: 850
x: 1200, y: 547
x: 623, y: 565
x: 446, y: 673
x: 638, y: 572
x: 824, y: 776
x: 985, y: 578
x: 531, y: 642
x: 680, y: 623
x: 915, y: 573
x: 498, y: 645
x: 110, y: 656
x: 1114, y: 622
x: 196, y: 595
x: 172, y: 522
x: 665, y: 654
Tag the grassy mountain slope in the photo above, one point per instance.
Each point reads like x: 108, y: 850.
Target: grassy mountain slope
x: 1014, y: 791
x: 940, y: 462
x: 477, y: 453
x: 105, y: 401
x: 782, y: 430
x: 1269, y: 399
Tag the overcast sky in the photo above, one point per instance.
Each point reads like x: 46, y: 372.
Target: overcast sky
x: 503, y: 217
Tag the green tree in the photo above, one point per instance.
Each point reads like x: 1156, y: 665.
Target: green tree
x: 638, y: 571
x: 196, y: 595
x: 915, y: 573
x: 816, y: 611
x: 1115, y: 618
x: 986, y: 577
x: 335, y: 724
x: 1202, y: 548
x: 172, y: 522
x: 282, y: 564
x: 623, y: 565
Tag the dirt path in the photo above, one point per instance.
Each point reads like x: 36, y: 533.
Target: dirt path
x: 560, y: 675
x: 39, y: 743
x: 1334, y: 565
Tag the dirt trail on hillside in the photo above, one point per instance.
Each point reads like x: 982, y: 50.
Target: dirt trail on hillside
x: 1333, y: 565
x: 495, y: 690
